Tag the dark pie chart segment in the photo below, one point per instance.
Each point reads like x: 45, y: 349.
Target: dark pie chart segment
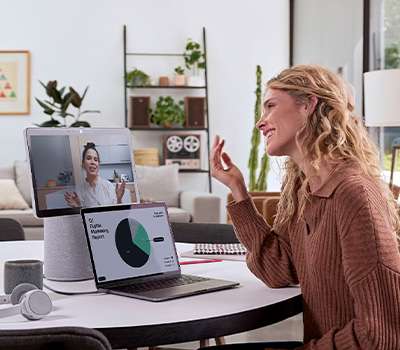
x: 133, y: 243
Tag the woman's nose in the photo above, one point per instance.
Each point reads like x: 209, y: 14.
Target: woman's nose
x: 261, y: 122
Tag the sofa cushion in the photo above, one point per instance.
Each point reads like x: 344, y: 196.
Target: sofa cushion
x: 10, y: 197
x: 24, y: 217
x: 23, y: 180
x: 6, y: 172
x: 159, y: 183
x: 178, y: 215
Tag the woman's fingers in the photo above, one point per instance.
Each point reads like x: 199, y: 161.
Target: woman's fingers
x: 216, y: 141
x: 217, y: 153
x: 227, y: 160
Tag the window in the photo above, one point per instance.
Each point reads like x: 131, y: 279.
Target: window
x: 385, y: 54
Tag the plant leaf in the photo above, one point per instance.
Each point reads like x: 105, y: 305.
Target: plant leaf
x: 80, y: 124
x: 62, y: 91
x: 90, y: 111
x: 42, y: 104
x: 51, y: 90
x: 76, y: 100
x: 49, y: 111
x: 50, y: 123
x: 43, y: 84
x: 84, y: 93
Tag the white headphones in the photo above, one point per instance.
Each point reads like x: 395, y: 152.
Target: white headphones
x: 31, y: 302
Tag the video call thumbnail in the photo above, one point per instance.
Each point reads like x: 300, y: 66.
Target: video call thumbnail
x: 81, y: 170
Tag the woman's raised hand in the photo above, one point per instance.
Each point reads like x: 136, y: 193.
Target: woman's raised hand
x: 119, y: 191
x: 72, y: 199
x: 230, y: 176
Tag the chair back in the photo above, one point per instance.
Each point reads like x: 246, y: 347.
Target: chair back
x: 265, y: 203
x: 203, y: 233
x: 65, y: 338
x: 11, y: 230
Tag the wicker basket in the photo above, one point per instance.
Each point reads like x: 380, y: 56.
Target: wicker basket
x: 146, y: 156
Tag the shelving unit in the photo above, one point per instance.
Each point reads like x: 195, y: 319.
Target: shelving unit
x: 205, y: 129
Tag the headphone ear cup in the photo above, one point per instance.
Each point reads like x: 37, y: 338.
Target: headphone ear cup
x: 35, y: 304
x: 19, y: 291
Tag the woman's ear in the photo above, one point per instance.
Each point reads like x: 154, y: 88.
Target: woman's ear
x: 310, y: 107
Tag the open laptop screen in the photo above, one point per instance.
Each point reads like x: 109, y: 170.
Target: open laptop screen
x: 130, y: 241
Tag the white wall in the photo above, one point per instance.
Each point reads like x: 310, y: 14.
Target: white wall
x: 80, y: 43
x: 331, y: 33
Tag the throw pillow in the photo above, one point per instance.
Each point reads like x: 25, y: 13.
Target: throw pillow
x: 159, y: 183
x: 23, y: 180
x: 10, y: 197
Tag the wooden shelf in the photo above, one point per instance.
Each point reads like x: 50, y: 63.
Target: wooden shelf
x: 155, y: 54
x: 164, y: 87
x: 193, y: 171
x: 154, y: 90
x: 166, y: 129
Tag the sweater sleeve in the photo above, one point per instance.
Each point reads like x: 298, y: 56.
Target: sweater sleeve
x: 371, y: 264
x: 269, y: 254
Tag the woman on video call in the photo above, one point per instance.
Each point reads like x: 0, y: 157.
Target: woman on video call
x: 335, y: 228
x: 95, y: 190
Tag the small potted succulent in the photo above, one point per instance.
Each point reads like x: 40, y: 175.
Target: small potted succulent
x: 168, y: 113
x: 137, y: 77
x: 58, y: 106
x: 180, y: 78
x: 194, y: 61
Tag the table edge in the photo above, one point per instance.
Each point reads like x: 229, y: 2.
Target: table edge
x: 179, y: 332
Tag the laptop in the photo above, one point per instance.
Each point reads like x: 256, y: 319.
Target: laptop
x: 133, y: 253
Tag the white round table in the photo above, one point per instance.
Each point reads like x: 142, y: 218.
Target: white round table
x: 129, y: 322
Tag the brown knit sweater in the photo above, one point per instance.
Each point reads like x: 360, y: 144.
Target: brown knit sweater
x: 344, y: 255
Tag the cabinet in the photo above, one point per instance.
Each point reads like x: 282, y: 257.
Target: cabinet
x: 193, y: 128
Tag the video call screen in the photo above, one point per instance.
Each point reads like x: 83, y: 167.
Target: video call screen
x: 137, y: 242
x: 76, y: 169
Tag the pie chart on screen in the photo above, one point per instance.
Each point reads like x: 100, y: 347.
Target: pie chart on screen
x: 133, y: 243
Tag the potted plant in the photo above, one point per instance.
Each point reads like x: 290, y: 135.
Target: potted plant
x: 59, y: 106
x: 180, y: 79
x: 265, y: 202
x: 260, y: 183
x: 168, y: 113
x: 194, y: 61
x: 136, y: 77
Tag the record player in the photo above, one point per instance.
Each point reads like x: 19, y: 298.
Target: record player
x: 183, y: 150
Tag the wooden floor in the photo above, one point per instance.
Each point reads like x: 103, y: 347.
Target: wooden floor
x: 290, y: 329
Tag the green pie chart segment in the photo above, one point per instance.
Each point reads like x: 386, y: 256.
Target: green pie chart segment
x: 141, y: 239
x: 132, y: 242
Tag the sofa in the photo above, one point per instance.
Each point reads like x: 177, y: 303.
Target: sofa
x: 155, y: 184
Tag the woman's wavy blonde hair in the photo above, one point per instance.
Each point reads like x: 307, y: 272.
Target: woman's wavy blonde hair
x: 332, y: 133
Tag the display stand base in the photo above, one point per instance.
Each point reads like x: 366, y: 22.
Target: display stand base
x: 66, y: 254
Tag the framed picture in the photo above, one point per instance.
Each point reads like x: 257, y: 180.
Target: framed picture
x: 15, y: 82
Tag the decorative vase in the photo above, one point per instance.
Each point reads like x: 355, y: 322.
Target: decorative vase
x: 196, y: 80
x: 180, y: 80
x: 163, y: 81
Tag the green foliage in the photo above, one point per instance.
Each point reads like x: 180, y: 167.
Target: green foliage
x: 179, y: 70
x: 136, y: 77
x: 168, y: 112
x: 194, y: 57
x: 392, y: 57
x: 59, y: 106
x: 260, y: 183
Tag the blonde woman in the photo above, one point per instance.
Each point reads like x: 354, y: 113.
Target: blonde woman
x: 335, y: 230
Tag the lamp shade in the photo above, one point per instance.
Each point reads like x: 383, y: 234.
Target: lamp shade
x: 382, y: 97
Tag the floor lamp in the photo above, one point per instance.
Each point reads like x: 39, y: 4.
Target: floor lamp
x: 382, y: 104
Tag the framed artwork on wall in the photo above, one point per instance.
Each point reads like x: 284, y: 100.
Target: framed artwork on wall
x: 15, y: 82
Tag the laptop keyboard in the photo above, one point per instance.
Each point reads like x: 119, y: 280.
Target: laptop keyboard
x: 161, y: 284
